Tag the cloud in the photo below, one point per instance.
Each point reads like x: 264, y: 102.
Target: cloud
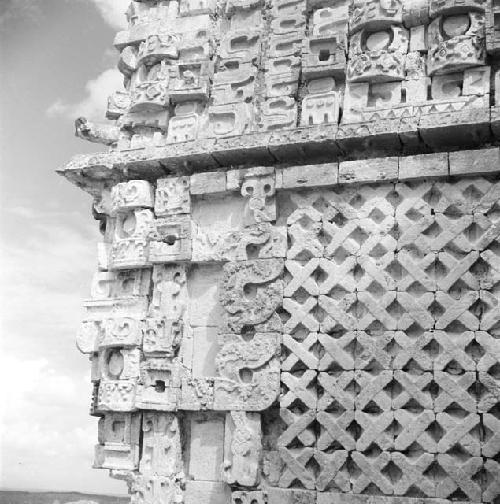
x: 47, y: 435
x: 12, y: 10
x: 93, y: 106
x: 113, y: 12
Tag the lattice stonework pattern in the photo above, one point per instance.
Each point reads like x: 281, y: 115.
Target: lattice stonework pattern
x: 391, y: 361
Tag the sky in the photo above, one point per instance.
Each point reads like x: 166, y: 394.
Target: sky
x: 58, y: 63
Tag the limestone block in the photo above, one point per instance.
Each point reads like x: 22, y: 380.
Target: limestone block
x: 281, y: 76
x: 150, y: 95
x: 259, y: 241
x: 415, y: 13
x: 229, y: 120
x: 184, y: 128
x: 158, y: 47
x: 130, y: 195
x: 324, y: 55
x: 415, y: 66
x: 197, y: 394
x: 119, y: 441
x: 255, y: 392
x: 119, y: 428
x: 242, y: 448
x: 116, y: 395
x: 310, y: 175
x: 331, y: 20
x: 492, y: 486
x: 235, y: 177
x: 190, y: 81
x: 234, y: 85
x: 456, y: 42
x: 471, y: 162
x: 418, y: 41
x: 195, y: 45
x: 285, y: 45
x: 206, y: 446
x: 371, y: 472
x: 368, y: 170
x: 161, y: 444
x: 454, y: 389
x: 162, y: 335
x: 207, y: 492
x: 240, y: 45
x: 490, y: 391
x: 172, y: 196
x: 127, y: 62
x: 260, y: 189
x: 290, y: 496
x: 116, y: 456
x: 374, y: 14
x: 170, y: 295
x: 170, y: 240
x: 288, y: 20
x: 130, y: 245
x: 150, y: 488
x: 283, y: 8
x: 459, y: 476
x: 417, y: 428
x: 423, y: 165
x: 118, y: 104
x: 203, y: 289
x: 119, y: 363
x: 240, y: 355
x: 476, y: 81
x: 205, y: 348
x: 277, y: 113
x: 251, y: 291
x: 333, y: 473
x: 207, y: 183
x: 490, y: 447
x: 88, y: 336
x: 447, y: 87
x: 320, y: 109
x: 295, y: 462
x: 378, y: 56
x: 160, y: 385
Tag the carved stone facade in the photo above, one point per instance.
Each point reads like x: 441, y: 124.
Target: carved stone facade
x: 297, y: 296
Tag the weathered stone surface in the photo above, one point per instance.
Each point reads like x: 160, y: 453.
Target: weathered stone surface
x: 423, y: 165
x: 206, y: 450
x: 251, y: 291
x: 469, y: 162
x: 242, y: 450
x: 369, y: 170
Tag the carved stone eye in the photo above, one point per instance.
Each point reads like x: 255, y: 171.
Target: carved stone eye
x: 267, y: 188
x: 249, y: 190
x: 378, y: 40
x: 115, y: 363
x: 453, y: 26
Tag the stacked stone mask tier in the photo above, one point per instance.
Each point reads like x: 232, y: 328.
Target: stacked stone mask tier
x: 214, y: 71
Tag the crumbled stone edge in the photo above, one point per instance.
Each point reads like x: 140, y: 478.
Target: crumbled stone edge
x: 393, y: 168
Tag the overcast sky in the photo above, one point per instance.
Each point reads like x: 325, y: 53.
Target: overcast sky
x: 58, y: 63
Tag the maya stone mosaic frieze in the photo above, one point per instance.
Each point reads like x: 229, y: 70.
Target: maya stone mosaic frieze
x: 298, y: 344
x: 297, y: 296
